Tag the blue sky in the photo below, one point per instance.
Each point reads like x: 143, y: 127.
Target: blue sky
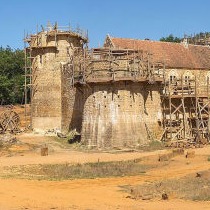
x: 120, y: 18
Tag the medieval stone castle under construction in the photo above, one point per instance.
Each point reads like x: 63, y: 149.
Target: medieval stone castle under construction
x: 124, y: 94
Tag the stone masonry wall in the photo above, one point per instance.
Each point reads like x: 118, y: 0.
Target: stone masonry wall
x: 120, y: 115
x: 72, y: 105
x: 46, y: 100
x: 46, y: 80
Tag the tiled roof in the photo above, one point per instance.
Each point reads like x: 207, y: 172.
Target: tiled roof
x: 174, y: 55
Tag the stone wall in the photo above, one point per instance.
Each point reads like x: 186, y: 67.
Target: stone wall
x: 72, y: 105
x: 48, y: 57
x: 199, y: 75
x: 120, y: 114
x: 46, y: 90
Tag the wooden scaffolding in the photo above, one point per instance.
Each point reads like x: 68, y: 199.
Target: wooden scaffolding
x: 186, y: 110
x: 46, y: 38
x: 185, y: 102
x: 112, y: 65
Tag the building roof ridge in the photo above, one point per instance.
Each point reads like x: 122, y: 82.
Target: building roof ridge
x: 174, y: 54
x: 158, y: 41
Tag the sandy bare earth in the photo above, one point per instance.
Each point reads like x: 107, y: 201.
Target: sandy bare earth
x: 88, y: 194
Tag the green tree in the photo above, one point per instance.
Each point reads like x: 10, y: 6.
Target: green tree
x: 170, y: 38
x: 11, y: 75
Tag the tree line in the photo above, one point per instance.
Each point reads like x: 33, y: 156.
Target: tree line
x: 11, y: 76
x: 193, y: 38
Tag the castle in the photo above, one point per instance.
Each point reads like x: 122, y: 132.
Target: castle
x: 125, y: 94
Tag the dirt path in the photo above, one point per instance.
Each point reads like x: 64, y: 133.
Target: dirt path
x: 69, y: 157
x: 94, y: 194
x: 81, y: 194
x: 59, y: 154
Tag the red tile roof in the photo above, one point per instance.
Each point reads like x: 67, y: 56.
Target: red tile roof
x: 174, y: 55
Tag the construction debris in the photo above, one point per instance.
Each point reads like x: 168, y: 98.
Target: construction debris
x: 61, y: 135
x: 9, y: 121
x: 7, y: 140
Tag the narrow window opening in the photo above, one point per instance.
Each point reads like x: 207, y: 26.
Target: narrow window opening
x: 40, y: 58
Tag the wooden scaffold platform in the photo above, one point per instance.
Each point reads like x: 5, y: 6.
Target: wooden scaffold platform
x: 186, y: 111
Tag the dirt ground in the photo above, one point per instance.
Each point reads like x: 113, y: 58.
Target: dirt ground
x: 18, y: 193
x: 89, y: 194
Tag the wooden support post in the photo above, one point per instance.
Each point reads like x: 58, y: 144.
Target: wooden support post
x: 73, y: 69
x: 184, y: 118
x: 208, y: 101
x: 56, y: 44
x: 25, y: 84
x: 196, y: 112
x: 164, y: 115
x: 183, y: 107
x: 170, y: 110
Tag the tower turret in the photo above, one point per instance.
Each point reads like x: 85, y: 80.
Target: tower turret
x: 47, y: 51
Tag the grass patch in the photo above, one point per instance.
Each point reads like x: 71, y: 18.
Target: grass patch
x: 189, y: 188
x: 64, y: 144
x: 80, y: 171
x: 208, y: 158
x: 153, y: 146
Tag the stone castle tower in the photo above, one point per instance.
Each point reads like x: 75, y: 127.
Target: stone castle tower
x: 48, y: 51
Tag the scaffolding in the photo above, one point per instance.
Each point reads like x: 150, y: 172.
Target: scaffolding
x: 186, y: 111
x: 46, y: 38
x: 27, y: 73
x: 185, y: 102
x: 101, y: 65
